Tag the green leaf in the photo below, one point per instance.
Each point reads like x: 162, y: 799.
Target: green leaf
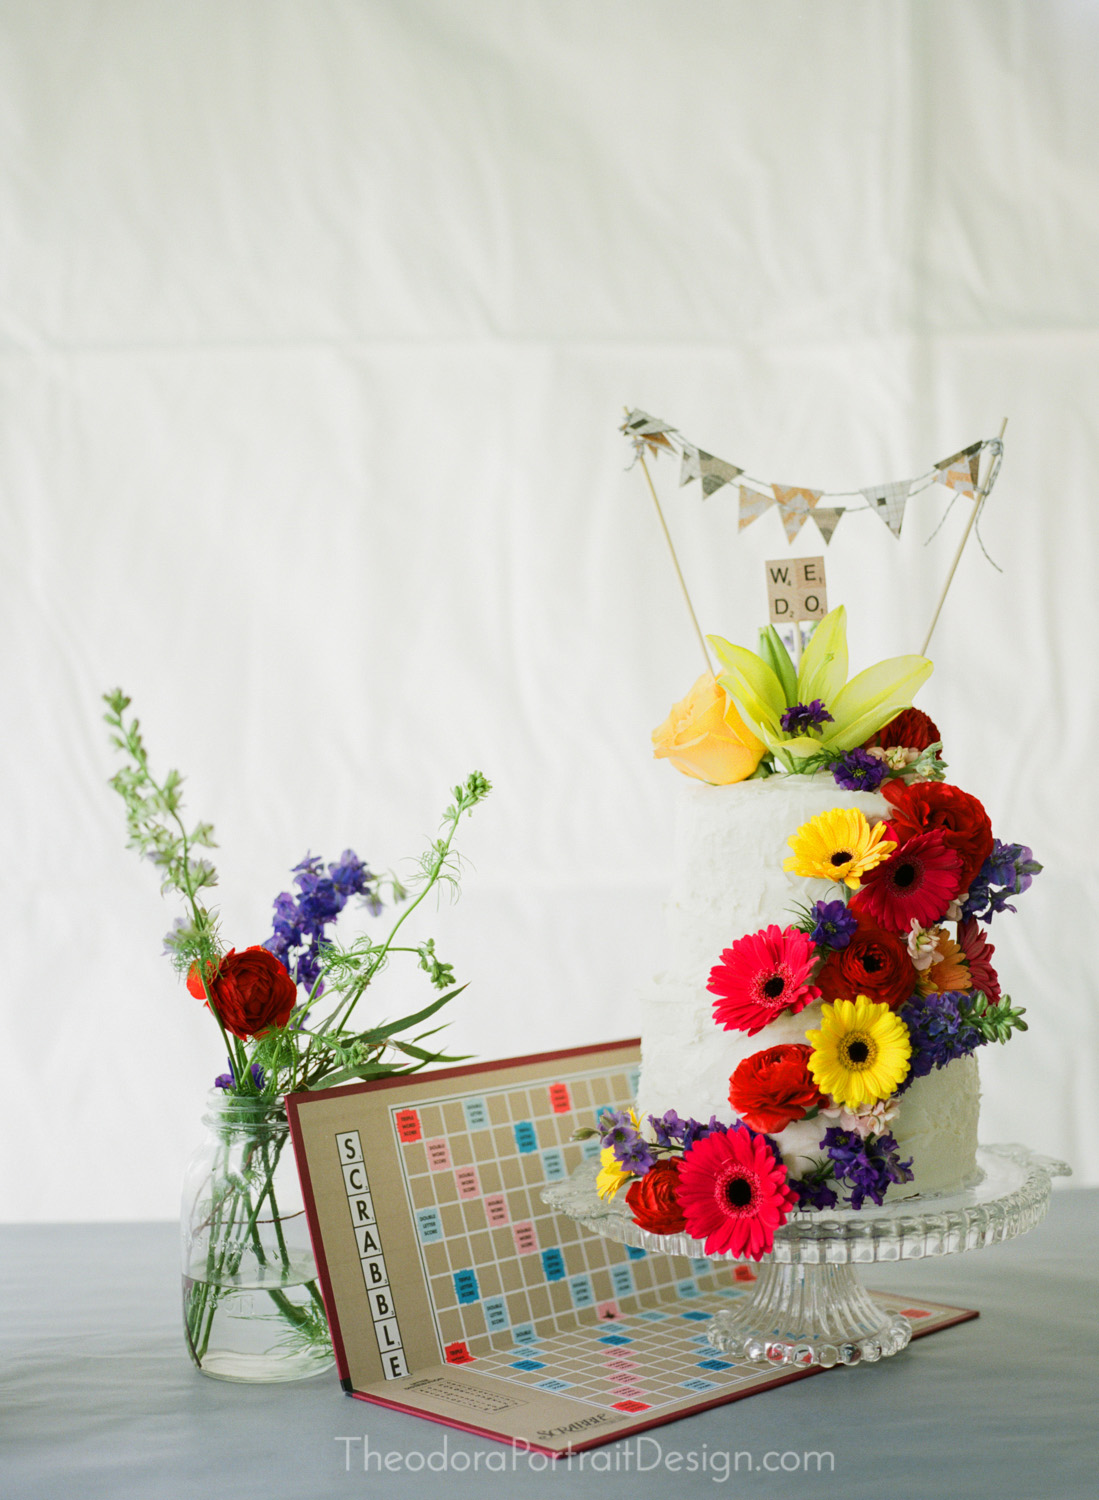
x: 772, y: 650
x: 364, y: 1072
x: 873, y: 698
x: 379, y: 1033
x: 823, y: 669
x: 432, y: 1057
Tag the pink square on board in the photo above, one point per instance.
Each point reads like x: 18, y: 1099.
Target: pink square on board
x: 438, y: 1153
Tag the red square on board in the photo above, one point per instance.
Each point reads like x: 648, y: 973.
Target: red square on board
x: 631, y: 1406
x: 559, y: 1098
x: 408, y: 1125
x: 457, y: 1354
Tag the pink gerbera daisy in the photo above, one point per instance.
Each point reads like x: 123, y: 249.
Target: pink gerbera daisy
x: 762, y: 975
x: 977, y: 951
x: 919, y: 879
x: 733, y: 1193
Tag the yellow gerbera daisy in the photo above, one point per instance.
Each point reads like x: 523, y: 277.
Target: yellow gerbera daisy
x: 612, y: 1175
x: 838, y: 845
x: 861, y: 1052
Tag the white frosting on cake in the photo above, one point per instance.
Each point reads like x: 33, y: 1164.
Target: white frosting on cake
x: 728, y: 880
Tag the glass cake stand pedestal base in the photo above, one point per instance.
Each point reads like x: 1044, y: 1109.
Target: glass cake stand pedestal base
x: 807, y: 1306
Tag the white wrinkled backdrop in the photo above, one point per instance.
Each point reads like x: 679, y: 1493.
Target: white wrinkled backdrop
x: 316, y: 324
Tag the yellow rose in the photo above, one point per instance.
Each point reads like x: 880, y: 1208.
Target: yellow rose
x: 705, y: 737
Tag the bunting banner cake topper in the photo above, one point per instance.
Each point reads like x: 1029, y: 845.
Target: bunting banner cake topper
x: 796, y: 504
x: 960, y: 473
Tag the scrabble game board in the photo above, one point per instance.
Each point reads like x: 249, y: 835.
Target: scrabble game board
x: 455, y: 1293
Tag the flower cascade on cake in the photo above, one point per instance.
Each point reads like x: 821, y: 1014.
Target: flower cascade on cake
x: 890, y: 953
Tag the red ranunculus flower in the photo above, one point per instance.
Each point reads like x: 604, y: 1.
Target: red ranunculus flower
x: 652, y: 1199
x: 935, y: 804
x: 875, y: 963
x: 772, y: 1088
x: 911, y: 729
x: 252, y: 992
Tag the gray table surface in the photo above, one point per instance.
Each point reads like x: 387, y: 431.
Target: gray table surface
x: 99, y: 1399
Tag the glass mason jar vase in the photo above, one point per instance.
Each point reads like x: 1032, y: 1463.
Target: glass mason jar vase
x: 252, y: 1309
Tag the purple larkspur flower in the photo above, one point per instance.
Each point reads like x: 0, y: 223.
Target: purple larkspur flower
x: 814, y: 1192
x: 618, y: 1132
x: 228, y: 1081
x: 1008, y: 871
x: 349, y: 874
x: 301, y: 922
x: 668, y: 1128
x: 938, y: 1032
x: 695, y: 1130
x: 859, y: 771
x: 635, y: 1155
x: 307, y: 971
x: 833, y: 924
x: 867, y: 1167
x: 805, y: 716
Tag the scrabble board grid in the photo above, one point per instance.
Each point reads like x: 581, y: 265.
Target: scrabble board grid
x: 456, y: 1294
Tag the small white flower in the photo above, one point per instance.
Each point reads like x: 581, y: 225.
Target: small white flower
x: 867, y: 1119
x: 923, y: 946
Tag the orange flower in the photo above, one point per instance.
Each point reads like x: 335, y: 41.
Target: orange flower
x: 950, y: 973
x: 706, y: 738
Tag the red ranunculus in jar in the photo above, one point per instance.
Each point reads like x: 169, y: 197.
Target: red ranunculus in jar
x: 252, y: 992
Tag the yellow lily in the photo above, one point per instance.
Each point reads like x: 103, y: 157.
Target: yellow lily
x: 764, y: 686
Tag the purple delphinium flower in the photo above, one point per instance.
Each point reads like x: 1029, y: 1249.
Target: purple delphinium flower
x: 302, y: 922
x: 349, y: 874
x: 635, y: 1155
x: 814, y: 1192
x: 694, y: 1130
x: 859, y: 771
x: 228, y: 1081
x: 615, y: 1124
x: 618, y: 1132
x: 1008, y: 871
x: 866, y: 1167
x: 668, y: 1129
x: 938, y: 1032
x: 833, y: 924
x: 805, y: 716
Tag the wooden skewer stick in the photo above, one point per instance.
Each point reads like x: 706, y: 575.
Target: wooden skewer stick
x: 979, y: 500
x: 675, y: 562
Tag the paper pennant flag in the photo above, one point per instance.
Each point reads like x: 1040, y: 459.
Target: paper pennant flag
x: 650, y: 431
x: 752, y: 505
x: 959, y: 471
x: 713, y: 472
x: 689, y: 468
x: 795, y: 503
x: 827, y: 518
x: 889, y: 501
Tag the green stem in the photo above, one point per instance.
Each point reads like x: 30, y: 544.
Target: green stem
x: 339, y: 1021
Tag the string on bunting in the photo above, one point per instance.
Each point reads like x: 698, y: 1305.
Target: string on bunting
x: 796, y: 504
x: 959, y: 473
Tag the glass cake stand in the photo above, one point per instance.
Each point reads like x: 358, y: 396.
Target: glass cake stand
x: 807, y: 1306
